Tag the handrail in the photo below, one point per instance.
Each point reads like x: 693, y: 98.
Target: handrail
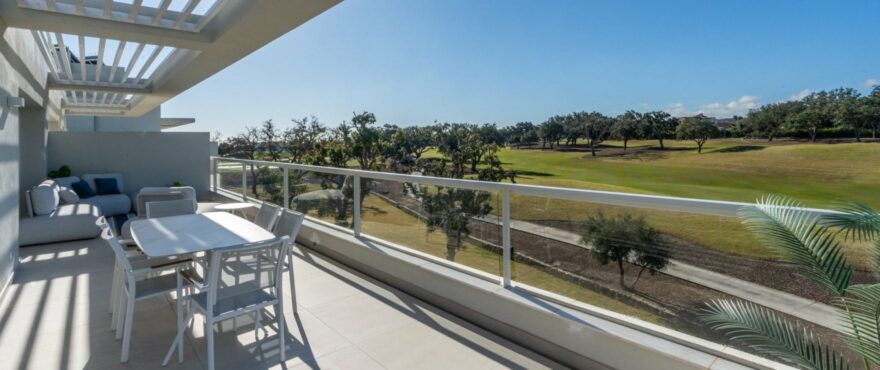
x: 656, y: 202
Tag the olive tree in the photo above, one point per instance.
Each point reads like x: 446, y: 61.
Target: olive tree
x: 625, y: 239
x: 698, y: 129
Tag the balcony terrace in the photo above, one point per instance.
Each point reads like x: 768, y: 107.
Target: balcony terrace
x: 54, y: 316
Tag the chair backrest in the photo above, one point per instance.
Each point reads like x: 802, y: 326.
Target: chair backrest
x: 108, y: 236
x: 170, y: 208
x: 289, y: 224
x: 267, y: 215
x: 245, y: 271
x: 143, y: 198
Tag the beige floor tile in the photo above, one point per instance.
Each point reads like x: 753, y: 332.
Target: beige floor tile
x: 348, y: 358
x: 360, y: 317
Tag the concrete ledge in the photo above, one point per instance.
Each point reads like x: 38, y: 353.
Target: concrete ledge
x: 573, y: 333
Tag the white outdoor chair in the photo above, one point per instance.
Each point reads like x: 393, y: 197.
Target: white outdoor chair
x: 140, y: 282
x: 242, y: 280
x: 267, y: 215
x: 168, y: 208
x: 288, y: 225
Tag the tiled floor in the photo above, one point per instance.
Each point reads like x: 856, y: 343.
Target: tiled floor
x: 55, y: 316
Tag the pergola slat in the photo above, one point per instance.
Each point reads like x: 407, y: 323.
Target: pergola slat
x: 160, y: 12
x: 186, y: 12
x: 147, y: 64
x: 131, y: 64
x: 65, y: 58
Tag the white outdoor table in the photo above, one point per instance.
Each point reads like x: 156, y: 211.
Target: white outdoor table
x: 169, y: 236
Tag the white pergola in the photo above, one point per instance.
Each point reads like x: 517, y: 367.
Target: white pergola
x: 127, y: 57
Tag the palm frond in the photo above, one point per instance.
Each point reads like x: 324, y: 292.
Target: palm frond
x: 794, y: 235
x: 858, y: 222
x: 861, y: 310
x: 768, y: 333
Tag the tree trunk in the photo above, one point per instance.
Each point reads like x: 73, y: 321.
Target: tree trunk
x: 453, y: 240
x: 624, y: 144
x: 813, y: 133
x: 639, y: 276
x: 661, y: 143
x: 592, y: 148
x: 858, y: 132
x: 620, y: 267
x: 254, y: 180
x: 474, y: 163
x: 699, y: 148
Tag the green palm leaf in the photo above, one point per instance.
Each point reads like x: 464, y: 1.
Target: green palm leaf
x: 768, y: 333
x: 858, y: 222
x: 795, y: 236
x: 861, y: 309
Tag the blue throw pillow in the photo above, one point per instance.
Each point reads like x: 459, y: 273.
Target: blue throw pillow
x: 82, y: 189
x: 104, y: 186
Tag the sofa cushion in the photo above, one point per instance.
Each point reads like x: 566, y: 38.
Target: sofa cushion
x: 44, y: 198
x: 106, y: 186
x: 111, y: 204
x: 90, y: 178
x: 67, y: 195
x: 68, y: 222
x: 82, y: 189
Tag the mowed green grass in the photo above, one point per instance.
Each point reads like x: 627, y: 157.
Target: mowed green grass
x: 819, y: 175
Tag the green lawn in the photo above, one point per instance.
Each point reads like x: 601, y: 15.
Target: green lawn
x: 734, y: 170
x: 818, y: 174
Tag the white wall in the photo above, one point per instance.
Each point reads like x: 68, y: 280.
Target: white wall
x: 143, y: 158
x: 22, y: 74
x: 33, y: 130
x: 149, y: 122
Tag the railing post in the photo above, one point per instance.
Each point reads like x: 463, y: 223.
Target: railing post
x: 505, y: 235
x: 215, y: 174
x: 286, y: 190
x: 244, y: 182
x: 357, y: 206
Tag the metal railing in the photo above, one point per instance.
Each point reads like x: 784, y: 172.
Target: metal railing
x: 655, y: 202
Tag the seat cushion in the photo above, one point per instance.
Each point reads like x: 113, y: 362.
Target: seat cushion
x: 106, y: 186
x: 44, y: 198
x: 111, y: 204
x: 67, y: 222
x: 90, y: 178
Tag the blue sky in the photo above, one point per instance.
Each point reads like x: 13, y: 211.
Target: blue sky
x: 412, y: 62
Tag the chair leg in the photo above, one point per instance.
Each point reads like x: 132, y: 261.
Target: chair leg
x: 282, y: 333
x: 121, y: 301
x: 129, y: 313
x: 114, y: 300
x: 178, y: 340
x: 179, y: 319
x: 209, y: 332
x: 292, y: 284
x: 114, y: 287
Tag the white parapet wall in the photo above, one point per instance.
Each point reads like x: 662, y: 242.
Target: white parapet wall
x: 143, y: 158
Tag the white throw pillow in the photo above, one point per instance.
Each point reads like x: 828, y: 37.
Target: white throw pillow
x: 44, y: 198
x: 68, y: 195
